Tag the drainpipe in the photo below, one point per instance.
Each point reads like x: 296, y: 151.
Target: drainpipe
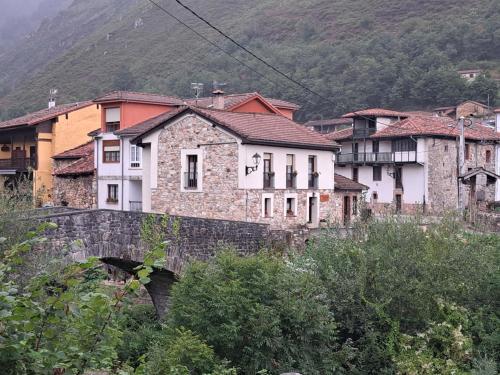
x: 122, y: 156
x: 96, y: 141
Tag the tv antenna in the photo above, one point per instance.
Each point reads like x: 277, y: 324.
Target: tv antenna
x: 197, y: 87
x: 218, y: 85
x: 52, y: 98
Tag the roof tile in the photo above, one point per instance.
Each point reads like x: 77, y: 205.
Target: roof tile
x: 344, y: 183
x: 143, y: 97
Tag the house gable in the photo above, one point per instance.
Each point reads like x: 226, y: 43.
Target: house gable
x: 255, y: 104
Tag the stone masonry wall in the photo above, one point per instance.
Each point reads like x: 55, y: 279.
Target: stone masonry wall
x: 116, y: 234
x: 221, y: 198
x: 73, y: 191
x: 443, y: 170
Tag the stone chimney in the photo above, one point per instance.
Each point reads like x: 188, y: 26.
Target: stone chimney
x: 218, y: 99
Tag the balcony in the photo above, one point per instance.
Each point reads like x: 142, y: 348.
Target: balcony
x: 377, y: 157
x: 190, y: 181
x: 17, y: 164
x: 312, y: 181
x: 135, y: 206
x: 268, y: 180
x: 363, y: 132
x: 291, y: 180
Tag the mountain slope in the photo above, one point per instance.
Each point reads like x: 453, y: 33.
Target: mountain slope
x: 356, y: 53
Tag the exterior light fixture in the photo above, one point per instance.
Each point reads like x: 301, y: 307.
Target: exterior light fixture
x: 256, y: 162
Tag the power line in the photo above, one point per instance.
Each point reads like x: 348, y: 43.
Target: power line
x: 239, y: 45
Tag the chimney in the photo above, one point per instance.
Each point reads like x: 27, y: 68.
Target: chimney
x: 218, y: 99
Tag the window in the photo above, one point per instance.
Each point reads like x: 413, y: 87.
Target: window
x: 354, y: 205
x: 488, y: 156
x: 290, y: 207
x: 268, y: 171
x: 374, y: 195
x: 111, y: 151
x: 402, y: 145
x: 399, y: 177
x: 191, y: 176
x: 377, y: 173
x: 291, y: 173
x: 467, y: 151
x: 112, y: 119
x: 313, y: 172
x: 355, y: 174
x: 135, y: 156
x: 112, y: 193
x: 268, y: 209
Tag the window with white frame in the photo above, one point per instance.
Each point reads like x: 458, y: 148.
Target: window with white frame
x: 290, y: 205
x: 135, y: 156
x: 267, y: 205
x: 191, y: 173
x: 112, y: 193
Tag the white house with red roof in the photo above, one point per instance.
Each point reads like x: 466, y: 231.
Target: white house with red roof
x: 409, y: 162
x: 248, y: 166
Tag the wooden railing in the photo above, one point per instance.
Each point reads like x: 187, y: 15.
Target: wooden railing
x: 17, y: 164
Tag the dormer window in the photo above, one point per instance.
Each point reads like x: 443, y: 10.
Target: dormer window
x: 112, y: 119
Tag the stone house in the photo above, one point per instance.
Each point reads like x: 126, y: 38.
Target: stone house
x: 469, y: 108
x: 219, y: 164
x: 349, y: 195
x: 410, y: 163
x: 74, y: 177
x: 119, y: 164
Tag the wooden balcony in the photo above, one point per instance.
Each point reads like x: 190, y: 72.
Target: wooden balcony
x: 16, y: 165
x: 377, y: 157
x: 363, y: 132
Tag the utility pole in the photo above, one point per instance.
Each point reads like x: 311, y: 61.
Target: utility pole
x: 461, y: 166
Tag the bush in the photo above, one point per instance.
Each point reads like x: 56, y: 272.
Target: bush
x: 257, y: 312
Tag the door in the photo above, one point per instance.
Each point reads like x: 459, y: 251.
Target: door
x: 347, y: 210
x: 313, y: 210
x: 399, y: 177
x: 398, y: 203
x: 355, y: 150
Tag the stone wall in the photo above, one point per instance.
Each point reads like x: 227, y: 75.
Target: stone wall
x: 74, y: 191
x: 443, y: 173
x: 220, y: 197
x: 116, y: 235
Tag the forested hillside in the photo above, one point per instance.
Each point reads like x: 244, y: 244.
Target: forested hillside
x: 357, y: 53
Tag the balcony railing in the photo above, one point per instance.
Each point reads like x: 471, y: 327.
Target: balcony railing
x: 135, y: 206
x: 291, y: 180
x: 268, y: 180
x: 313, y: 181
x: 190, y: 181
x: 363, y: 132
x: 17, y: 164
x: 378, y: 157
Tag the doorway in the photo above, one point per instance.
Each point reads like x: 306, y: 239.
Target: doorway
x: 312, y: 212
x: 347, y: 210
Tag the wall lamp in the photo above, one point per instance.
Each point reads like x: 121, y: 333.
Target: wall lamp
x: 256, y: 162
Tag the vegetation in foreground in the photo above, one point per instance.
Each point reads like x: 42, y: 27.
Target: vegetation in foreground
x: 390, y: 299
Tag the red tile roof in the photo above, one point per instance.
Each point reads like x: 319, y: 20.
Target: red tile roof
x: 83, y: 166
x: 140, y: 97
x: 42, y: 115
x: 256, y: 128
x: 149, y: 124
x: 233, y: 100
x: 376, y: 112
x: 435, y: 126
x: 77, y: 152
x: 344, y: 183
x: 332, y: 121
x: 340, y: 134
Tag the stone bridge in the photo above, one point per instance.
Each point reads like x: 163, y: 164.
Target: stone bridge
x: 114, y: 237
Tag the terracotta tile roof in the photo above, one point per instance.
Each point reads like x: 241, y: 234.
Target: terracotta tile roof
x: 340, y: 134
x: 376, y: 112
x: 149, y: 124
x: 233, y: 100
x: 256, y: 128
x: 77, y: 152
x: 344, y: 183
x: 435, y: 126
x: 83, y: 166
x: 141, y: 97
x: 42, y: 115
x: 332, y: 121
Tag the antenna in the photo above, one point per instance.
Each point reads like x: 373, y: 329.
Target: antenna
x: 52, y: 98
x: 197, y: 87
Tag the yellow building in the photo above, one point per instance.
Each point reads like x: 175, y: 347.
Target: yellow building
x: 28, y: 143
